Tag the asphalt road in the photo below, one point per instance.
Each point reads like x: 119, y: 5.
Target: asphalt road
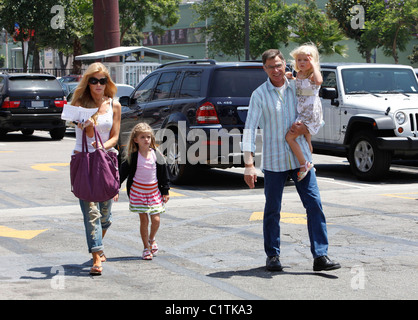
x: 211, y: 243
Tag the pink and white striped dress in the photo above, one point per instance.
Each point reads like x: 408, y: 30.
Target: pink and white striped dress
x: 144, y: 195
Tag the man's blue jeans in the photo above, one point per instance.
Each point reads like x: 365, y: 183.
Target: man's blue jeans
x: 309, y: 194
x: 97, y: 217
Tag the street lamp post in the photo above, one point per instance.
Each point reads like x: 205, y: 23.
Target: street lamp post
x: 247, y: 30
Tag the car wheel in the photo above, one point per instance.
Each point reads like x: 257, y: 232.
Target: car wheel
x: 57, y: 133
x: 367, y: 162
x: 27, y: 132
x: 178, y: 168
x: 3, y: 133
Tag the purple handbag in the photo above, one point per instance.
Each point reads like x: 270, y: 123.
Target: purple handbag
x: 94, y: 175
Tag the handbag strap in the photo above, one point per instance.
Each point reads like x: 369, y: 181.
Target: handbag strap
x: 96, y: 135
x: 98, y: 138
x: 84, y: 142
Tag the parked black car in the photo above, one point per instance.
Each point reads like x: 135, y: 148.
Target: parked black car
x: 198, y: 109
x: 31, y: 102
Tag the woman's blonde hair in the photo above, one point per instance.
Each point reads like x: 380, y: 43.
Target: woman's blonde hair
x: 82, y: 96
x: 131, y: 145
x: 309, y: 49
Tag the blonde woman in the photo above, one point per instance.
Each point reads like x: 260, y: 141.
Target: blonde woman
x: 308, y: 83
x: 96, y: 90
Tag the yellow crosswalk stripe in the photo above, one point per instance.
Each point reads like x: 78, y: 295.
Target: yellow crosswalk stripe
x: 175, y: 194
x: 171, y: 193
x: 285, y: 217
x: 48, y: 166
x: 402, y: 195
x: 21, y: 234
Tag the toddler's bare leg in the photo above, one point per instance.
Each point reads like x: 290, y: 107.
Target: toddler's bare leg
x: 294, y: 145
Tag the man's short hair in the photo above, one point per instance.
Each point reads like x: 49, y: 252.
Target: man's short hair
x: 270, y: 54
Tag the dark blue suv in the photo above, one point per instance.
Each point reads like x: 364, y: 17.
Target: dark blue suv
x: 197, y: 109
x: 29, y: 102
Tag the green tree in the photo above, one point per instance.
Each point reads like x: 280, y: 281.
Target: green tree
x: 272, y: 24
x: 393, y: 23
x: 225, y: 31
x: 18, y: 18
x: 269, y: 20
x: 74, y: 35
x: 134, y: 14
x: 351, y: 15
x: 37, y: 24
x: 314, y: 26
x: 269, y: 28
x: 414, y: 56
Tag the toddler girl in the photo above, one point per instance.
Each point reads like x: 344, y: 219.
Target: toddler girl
x: 147, y: 183
x: 308, y: 83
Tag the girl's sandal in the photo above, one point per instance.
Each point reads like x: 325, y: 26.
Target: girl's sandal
x: 96, y: 270
x: 146, y: 254
x: 302, y: 174
x: 154, y: 246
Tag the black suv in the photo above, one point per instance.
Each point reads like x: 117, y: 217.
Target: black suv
x: 197, y: 109
x: 31, y: 102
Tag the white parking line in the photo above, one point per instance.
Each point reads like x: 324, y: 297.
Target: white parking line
x: 351, y: 185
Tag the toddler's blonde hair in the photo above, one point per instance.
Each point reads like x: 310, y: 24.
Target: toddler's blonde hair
x: 309, y: 49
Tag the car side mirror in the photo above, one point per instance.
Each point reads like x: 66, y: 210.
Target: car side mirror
x: 328, y: 93
x: 124, y: 101
x: 331, y: 94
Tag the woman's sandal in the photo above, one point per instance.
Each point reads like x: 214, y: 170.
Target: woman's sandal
x: 154, y: 246
x: 146, y: 254
x: 102, y: 256
x: 302, y: 174
x: 96, y: 270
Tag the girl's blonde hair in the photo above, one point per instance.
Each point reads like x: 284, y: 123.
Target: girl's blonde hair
x: 82, y: 96
x: 132, y: 146
x: 309, y: 49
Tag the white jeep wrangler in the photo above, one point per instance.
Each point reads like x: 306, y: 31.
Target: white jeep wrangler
x: 371, y: 116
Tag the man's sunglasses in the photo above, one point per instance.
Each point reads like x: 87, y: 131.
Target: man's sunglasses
x: 94, y: 80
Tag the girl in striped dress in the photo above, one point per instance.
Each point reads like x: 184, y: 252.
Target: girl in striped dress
x: 147, y: 185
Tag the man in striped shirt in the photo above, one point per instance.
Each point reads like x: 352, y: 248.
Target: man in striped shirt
x: 273, y: 109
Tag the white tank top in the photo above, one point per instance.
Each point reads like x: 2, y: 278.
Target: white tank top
x: 103, y: 126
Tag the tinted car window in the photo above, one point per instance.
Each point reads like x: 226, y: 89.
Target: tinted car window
x: 330, y: 80
x: 234, y: 82
x: 163, y: 88
x: 34, y: 83
x: 143, y: 93
x: 190, y: 87
x: 176, y: 85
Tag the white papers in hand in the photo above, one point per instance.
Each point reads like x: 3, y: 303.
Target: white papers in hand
x: 72, y: 113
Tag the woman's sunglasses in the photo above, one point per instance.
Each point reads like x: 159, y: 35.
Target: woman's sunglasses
x: 94, y: 80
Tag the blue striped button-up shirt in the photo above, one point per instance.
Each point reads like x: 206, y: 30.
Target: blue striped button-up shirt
x: 274, y: 112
